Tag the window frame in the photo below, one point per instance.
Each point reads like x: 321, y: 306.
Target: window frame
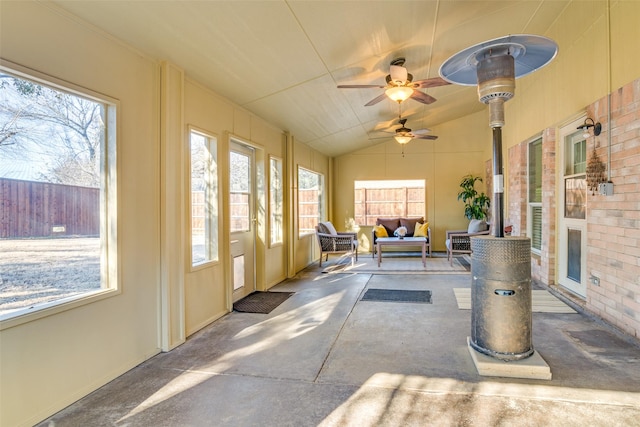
x: 109, y: 199
x: 321, y: 200
x: 575, y: 177
x: 390, y: 184
x: 210, y: 223
x: 280, y: 197
x: 249, y: 194
x: 533, y: 205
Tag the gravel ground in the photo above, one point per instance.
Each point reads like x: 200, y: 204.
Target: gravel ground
x: 35, y: 271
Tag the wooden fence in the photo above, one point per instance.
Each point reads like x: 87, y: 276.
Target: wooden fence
x: 308, y: 210
x: 37, y: 209
x: 372, y: 203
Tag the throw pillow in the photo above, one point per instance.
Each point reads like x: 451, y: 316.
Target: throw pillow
x: 389, y: 224
x: 330, y: 229
x: 380, y: 231
x: 410, y: 224
x: 421, y: 230
x: 477, y: 225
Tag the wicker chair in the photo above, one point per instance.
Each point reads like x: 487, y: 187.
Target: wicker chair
x: 459, y: 242
x: 334, y: 242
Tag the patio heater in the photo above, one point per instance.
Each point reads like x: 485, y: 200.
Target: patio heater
x: 500, y: 267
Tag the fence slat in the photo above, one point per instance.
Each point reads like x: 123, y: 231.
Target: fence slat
x: 31, y: 209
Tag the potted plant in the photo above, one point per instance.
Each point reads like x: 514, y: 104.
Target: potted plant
x: 475, y: 204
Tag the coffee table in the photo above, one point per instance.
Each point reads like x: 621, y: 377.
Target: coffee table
x: 407, y: 241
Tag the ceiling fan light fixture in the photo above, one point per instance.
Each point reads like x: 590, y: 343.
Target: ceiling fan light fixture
x: 398, y: 74
x: 399, y: 93
x: 402, y: 139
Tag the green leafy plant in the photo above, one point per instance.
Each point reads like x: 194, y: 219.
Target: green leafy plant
x: 475, y: 204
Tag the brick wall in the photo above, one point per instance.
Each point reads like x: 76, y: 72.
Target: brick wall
x: 613, y: 222
x: 517, y: 189
x: 543, y: 265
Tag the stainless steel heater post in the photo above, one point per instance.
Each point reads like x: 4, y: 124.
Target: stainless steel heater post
x: 500, y: 267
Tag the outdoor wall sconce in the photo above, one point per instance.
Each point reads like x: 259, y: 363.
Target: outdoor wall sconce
x: 589, y: 123
x: 596, y: 176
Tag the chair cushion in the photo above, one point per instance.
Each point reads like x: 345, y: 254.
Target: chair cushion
x: 410, y: 223
x: 327, y: 228
x: 390, y: 224
x: 380, y: 231
x: 448, y: 243
x: 421, y: 230
x: 477, y: 225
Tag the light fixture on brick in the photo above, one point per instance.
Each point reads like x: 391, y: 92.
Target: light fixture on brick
x: 588, y: 123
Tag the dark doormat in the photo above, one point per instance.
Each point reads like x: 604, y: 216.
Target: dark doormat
x: 261, y: 302
x: 397, y: 295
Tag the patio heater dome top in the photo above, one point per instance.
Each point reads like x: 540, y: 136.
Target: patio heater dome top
x: 529, y: 52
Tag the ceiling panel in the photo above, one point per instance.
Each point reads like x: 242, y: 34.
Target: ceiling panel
x: 348, y: 32
x: 282, y: 60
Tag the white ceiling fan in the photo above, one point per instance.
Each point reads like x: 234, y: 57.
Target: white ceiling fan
x: 403, y: 134
x: 400, y: 85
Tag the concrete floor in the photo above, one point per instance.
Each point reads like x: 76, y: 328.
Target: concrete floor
x: 325, y: 358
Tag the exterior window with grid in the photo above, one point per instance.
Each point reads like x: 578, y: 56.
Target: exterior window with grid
x: 534, y: 217
x: 388, y: 199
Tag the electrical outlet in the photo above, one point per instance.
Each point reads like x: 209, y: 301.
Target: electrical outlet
x: 595, y: 280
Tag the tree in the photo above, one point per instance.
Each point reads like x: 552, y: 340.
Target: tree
x: 60, y: 131
x: 476, y: 204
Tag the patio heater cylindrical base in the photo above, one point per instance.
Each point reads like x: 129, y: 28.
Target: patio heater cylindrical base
x: 501, y: 297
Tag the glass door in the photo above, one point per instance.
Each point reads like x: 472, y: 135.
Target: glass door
x: 572, y: 209
x: 242, y: 218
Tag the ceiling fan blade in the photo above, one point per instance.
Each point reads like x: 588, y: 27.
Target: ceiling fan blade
x: 432, y: 82
x: 422, y: 97
x: 384, y: 126
x: 376, y: 100
x: 425, y: 137
x: 421, y: 131
x: 358, y: 86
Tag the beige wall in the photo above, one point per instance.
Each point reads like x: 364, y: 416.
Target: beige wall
x: 305, y: 248
x: 462, y: 148
x: 162, y: 300
x: 206, y: 295
x: 48, y: 363
x: 579, y: 74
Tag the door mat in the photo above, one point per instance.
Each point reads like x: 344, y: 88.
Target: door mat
x: 397, y: 295
x: 261, y: 302
x: 542, y: 301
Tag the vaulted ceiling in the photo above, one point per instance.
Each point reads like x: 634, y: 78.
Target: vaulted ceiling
x: 282, y: 60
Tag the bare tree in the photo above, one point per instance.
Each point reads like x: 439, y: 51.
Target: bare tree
x: 42, y: 122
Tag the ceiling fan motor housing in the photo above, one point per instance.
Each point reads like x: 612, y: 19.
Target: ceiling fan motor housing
x: 496, y: 85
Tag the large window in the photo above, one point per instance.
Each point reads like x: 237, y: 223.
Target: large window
x: 276, y: 199
x: 388, y: 199
x: 58, y: 209
x: 204, y: 198
x: 310, y: 200
x: 535, y: 195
